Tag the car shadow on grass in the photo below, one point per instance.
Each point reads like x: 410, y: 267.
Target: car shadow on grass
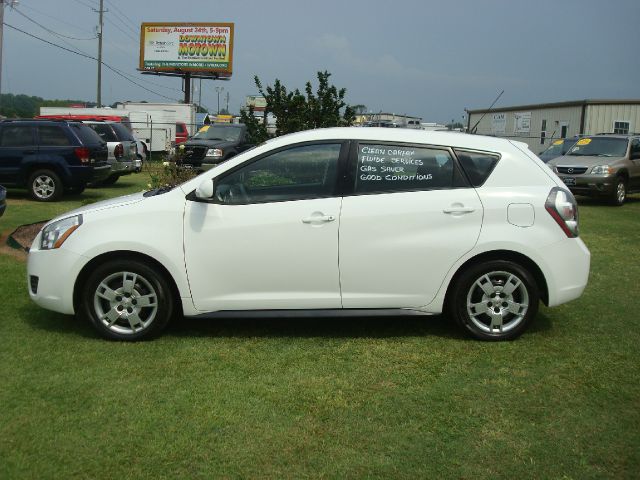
x: 320, y: 327
x: 40, y: 319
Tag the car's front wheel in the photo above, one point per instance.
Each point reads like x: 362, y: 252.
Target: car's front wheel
x: 127, y: 300
x: 619, y: 194
x: 494, y: 300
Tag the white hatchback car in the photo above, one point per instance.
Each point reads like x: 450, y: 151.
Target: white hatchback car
x: 341, y: 221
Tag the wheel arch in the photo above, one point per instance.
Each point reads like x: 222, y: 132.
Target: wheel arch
x: 124, y: 255
x: 509, y: 255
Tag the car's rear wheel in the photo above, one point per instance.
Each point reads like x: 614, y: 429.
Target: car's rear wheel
x: 127, y: 300
x: 619, y: 194
x: 45, y: 186
x: 494, y: 300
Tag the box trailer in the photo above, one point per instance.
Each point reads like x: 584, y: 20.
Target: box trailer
x: 167, y: 114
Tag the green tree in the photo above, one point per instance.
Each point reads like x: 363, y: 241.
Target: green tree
x: 295, y: 111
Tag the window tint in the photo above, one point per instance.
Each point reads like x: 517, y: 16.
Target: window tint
x: 392, y: 168
x: 86, y: 134
x: 52, y: 136
x: 124, y: 135
x: 477, y: 165
x: 294, y: 174
x: 16, y: 136
x: 105, y: 131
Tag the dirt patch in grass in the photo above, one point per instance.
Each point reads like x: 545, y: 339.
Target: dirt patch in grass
x: 18, y: 242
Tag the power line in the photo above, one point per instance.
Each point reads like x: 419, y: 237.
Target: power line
x: 120, y: 71
x: 91, y: 58
x: 84, y: 3
x: 49, y: 30
x: 123, y: 18
x: 52, y: 17
x: 123, y: 31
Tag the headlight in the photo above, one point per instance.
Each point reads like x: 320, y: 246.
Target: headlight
x: 602, y: 170
x: 214, y: 152
x: 54, y: 235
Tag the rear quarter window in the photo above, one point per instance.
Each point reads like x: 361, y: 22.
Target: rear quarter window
x: 105, y: 131
x: 122, y: 132
x: 477, y: 165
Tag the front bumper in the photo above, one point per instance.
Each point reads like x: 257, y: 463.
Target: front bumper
x: 51, y: 275
x: 590, y: 184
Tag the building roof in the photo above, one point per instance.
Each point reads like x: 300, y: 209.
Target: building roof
x: 574, y: 103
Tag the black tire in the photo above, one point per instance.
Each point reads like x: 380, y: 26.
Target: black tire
x: 485, y: 296
x: 45, y: 186
x: 113, y: 296
x: 619, y: 194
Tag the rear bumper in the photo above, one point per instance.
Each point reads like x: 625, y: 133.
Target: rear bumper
x: 566, y: 268
x: 100, y: 173
x: 122, y: 167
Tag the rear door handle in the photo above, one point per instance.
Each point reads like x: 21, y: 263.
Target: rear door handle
x: 454, y: 210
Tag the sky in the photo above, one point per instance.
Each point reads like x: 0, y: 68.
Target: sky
x: 424, y: 58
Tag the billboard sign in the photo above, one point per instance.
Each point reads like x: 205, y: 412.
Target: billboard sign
x: 499, y: 123
x: 522, y: 122
x: 187, y: 47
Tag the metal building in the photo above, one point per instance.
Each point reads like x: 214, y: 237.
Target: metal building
x: 538, y: 125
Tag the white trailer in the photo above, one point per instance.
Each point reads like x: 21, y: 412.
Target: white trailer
x: 162, y: 112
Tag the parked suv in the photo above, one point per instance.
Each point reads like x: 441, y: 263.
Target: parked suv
x: 122, y: 148
x: 214, y: 144
x: 50, y: 157
x: 339, y: 221
x: 602, y: 165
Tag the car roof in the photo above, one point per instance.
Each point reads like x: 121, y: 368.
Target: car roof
x: 401, y: 135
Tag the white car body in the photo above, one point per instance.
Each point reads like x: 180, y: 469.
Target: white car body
x: 396, y: 250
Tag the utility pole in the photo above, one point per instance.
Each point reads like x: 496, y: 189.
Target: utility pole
x: 218, y: 90
x: 227, y: 98
x: 100, y: 24
x: 1, y: 32
x: 12, y: 3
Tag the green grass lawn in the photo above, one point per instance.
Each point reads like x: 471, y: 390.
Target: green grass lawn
x: 329, y: 398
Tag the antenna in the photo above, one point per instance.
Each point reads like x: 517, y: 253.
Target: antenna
x: 473, y: 130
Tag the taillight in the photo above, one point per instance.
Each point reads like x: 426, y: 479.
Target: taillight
x: 118, y: 152
x: 562, y: 206
x: 82, y: 154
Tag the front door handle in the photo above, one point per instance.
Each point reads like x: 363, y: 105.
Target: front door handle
x: 318, y: 217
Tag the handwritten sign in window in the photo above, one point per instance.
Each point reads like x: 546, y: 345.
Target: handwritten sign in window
x: 398, y: 168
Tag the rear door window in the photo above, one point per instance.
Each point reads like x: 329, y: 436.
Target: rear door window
x: 395, y: 168
x: 53, y: 136
x: 477, y: 165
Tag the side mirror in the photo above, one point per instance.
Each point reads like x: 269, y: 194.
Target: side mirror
x: 205, y: 190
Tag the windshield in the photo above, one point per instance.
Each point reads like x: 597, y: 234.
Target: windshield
x: 219, y: 132
x: 600, y: 147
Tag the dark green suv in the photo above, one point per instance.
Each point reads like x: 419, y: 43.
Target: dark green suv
x: 50, y: 157
x: 601, y: 165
